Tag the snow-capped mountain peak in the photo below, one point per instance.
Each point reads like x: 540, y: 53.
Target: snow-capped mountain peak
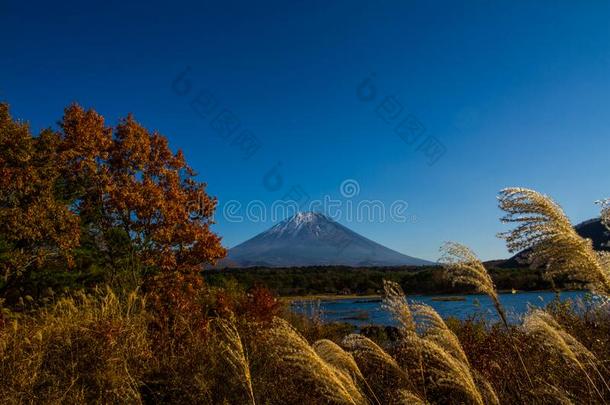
x: 293, y: 225
x: 302, y: 217
x: 313, y: 239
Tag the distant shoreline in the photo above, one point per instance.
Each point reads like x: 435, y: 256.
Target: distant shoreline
x: 327, y: 297
x: 334, y: 282
x: 339, y: 297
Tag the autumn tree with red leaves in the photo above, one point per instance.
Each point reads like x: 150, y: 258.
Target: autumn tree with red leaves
x: 115, y: 197
x: 36, y: 224
x: 127, y: 180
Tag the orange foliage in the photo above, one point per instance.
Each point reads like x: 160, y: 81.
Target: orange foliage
x: 261, y: 304
x: 176, y: 301
x: 141, y: 187
x: 258, y: 304
x: 35, y: 223
x: 90, y: 180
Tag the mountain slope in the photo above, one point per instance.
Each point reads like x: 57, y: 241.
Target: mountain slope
x: 312, y: 239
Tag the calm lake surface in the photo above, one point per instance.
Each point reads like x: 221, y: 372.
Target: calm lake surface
x: 368, y: 311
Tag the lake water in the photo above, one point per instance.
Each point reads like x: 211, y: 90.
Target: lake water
x: 368, y: 311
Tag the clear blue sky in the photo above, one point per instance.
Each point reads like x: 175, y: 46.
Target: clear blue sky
x: 518, y: 92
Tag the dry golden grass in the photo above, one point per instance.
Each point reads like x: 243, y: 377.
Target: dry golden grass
x: 552, y: 394
x: 103, y: 348
x: 464, y: 267
x: 560, y: 343
x: 448, y: 372
x: 334, y: 355
x: 394, y: 301
x: 235, y: 355
x: 605, y: 212
x: 296, y: 355
x: 404, y: 397
x: 544, y: 228
x: 408, y: 350
x: 368, y: 354
x: 97, y: 349
x: 382, y: 373
x: 485, y: 388
x: 441, y: 353
x: 552, y: 336
x: 435, y: 330
x: 84, y: 349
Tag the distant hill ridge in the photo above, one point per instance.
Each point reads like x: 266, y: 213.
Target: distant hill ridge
x: 313, y: 239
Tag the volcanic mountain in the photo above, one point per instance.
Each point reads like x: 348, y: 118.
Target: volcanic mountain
x: 312, y: 239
